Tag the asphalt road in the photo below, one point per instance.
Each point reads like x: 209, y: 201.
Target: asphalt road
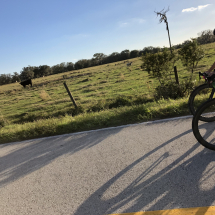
x: 142, y: 167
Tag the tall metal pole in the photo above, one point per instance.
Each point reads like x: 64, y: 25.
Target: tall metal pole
x: 175, y: 68
x: 164, y: 18
x: 169, y: 36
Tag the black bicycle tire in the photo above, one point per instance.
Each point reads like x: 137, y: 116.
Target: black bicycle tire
x: 191, y: 101
x: 195, y: 126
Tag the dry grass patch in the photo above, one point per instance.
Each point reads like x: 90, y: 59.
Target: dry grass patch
x: 44, y: 95
x: 122, y: 77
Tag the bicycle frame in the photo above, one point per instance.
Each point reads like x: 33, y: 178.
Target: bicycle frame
x: 212, y: 94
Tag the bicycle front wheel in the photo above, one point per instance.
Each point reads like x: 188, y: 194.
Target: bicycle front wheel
x: 205, y: 131
x: 199, y: 96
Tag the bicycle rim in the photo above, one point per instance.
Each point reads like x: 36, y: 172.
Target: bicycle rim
x: 205, y: 131
x: 199, y: 96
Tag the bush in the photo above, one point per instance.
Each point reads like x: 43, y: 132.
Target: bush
x: 191, y: 54
x: 3, y: 122
x: 120, y: 101
x: 142, y: 99
x: 159, y: 64
x: 77, y: 111
x: 99, y: 106
x: 173, y: 90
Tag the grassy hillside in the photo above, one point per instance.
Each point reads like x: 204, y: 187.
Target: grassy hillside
x: 106, y: 95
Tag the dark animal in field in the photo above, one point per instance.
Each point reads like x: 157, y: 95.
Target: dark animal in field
x: 26, y: 82
x: 129, y: 64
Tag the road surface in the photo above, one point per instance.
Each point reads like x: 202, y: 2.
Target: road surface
x: 142, y: 167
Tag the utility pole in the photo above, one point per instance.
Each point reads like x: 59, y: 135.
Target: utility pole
x: 163, y: 17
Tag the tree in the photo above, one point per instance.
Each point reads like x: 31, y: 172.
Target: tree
x: 70, y: 66
x: 134, y: 53
x: 15, y: 77
x: 59, y: 68
x: 84, y: 63
x: 99, y: 57
x: 5, y: 79
x: 42, y: 71
x: 124, y: 55
x: 27, y: 73
x: 191, y: 54
x: 115, y: 56
x: 205, y: 37
x: 159, y: 64
x: 150, y: 49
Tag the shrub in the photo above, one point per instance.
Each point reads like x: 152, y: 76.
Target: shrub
x: 100, y: 105
x: 159, y: 64
x: 142, y: 100
x: 3, y: 121
x: 173, y: 90
x: 120, y: 101
x: 191, y: 54
x: 78, y: 110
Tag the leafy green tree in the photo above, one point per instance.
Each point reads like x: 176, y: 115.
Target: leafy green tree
x: 191, y: 54
x: 134, y: 53
x: 151, y: 49
x: 124, y: 55
x: 93, y: 62
x: 115, y: 56
x: 59, y: 68
x: 27, y: 73
x: 70, y: 66
x: 99, y: 57
x: 41, y: 71
x: 205, y: 37
x: 15, y: 77
x: 159, y: 64
x: 84, y: 63
x: 5, y: 79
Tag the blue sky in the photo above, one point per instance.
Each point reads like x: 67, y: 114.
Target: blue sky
x: 49, y: 32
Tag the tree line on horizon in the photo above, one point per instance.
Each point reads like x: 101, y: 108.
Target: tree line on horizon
x: 31, y: 72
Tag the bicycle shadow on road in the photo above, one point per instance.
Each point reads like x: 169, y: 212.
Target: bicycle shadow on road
x: 187, y: 181
x: 22, y: 158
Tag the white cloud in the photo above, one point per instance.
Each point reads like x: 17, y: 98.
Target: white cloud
x: 191, y: 9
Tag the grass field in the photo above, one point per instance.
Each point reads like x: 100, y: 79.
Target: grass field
x: 106, y: 95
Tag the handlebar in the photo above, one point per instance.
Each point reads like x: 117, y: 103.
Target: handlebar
x: 207, y: 77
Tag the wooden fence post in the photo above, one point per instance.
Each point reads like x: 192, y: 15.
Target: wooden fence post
x: 70, y: 95
x: 176, y: 75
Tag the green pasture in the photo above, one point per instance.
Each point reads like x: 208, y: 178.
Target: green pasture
x: 106, y: 95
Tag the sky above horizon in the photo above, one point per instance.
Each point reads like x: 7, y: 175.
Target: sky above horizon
x: 49, y: 32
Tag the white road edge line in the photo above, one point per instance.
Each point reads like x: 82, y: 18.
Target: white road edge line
x: 103, y: 129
